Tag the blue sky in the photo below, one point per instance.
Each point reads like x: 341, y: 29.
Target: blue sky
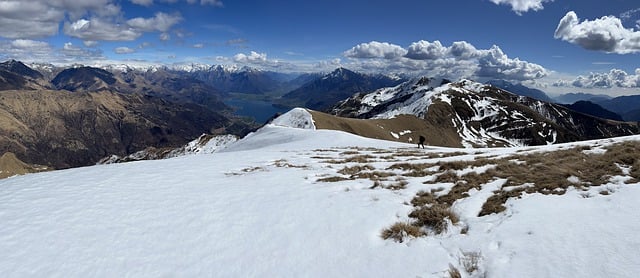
x: 559, y: 46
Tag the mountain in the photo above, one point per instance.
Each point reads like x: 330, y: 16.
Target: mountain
x: 322, y: 93
x: 15, y: 75
x: 627, y: 106
x: 573, y: 97
x: 168, y: 85
x: 62, y: 129
x: 285, y: 201
x: 590, y: 108
x: 520, y: 89
x: 84, y: 79
x: 242, y: 80
x: 471, y: 114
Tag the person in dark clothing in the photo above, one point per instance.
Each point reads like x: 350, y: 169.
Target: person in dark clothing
x: 421, y: 141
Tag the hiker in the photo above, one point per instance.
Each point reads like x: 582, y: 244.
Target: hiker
x: 421, y: 141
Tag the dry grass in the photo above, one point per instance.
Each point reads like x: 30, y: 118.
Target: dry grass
x: 434, y: 217
x: 400, y: 230
x: 354, y: 170
x: 399, y: 183
x: 413, y: 169
x: 282, y: 163
x: 333, y: 179
x: 454, y: 272
x: 470, y: 261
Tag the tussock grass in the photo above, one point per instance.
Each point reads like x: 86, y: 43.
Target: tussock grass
x: 400, y: 230
x: 434, y: 217
x: 354, y: 170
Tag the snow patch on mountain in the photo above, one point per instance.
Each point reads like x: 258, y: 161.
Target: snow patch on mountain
x: 297, y: 118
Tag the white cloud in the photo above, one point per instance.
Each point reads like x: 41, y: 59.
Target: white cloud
x: 165, y: 37
x: 97, y: 29
x: 124, y: 50
x: 615, y: 78
x: 494, y: 63
x: 604, y: 34
x: 90, y: 43
x: 425, y: 50
x: 89, y: 20
x: 376, y: 49
x: 70, y: 52
x: 160, y: 22
x: 39, y: 51
x: 28, y: 19
x: 520, y: 6
x: 252, y: 58
x: 198, y: 45
x: 461, y: 59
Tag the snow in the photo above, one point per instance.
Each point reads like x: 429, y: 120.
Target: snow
x: 238, y: 212
x: 296, y: 118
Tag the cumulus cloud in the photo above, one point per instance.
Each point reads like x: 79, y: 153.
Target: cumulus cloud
x: 252, y: 58
x: 494, y: 63
x: 605, y: 80
x: 461, y: 59
x: 198, y: 45
x: 424, y: 50
x: 603, y: 34
x: 520, y: 6
x: 375, y: 49
x: 124, y: 50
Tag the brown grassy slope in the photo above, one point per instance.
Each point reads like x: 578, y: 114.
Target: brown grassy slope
x: 10, y: 165
x: 63, y: 129
x: 436, y: 134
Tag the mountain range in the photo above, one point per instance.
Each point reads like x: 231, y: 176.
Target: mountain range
x: 75, y: 116
x: 471, y: 114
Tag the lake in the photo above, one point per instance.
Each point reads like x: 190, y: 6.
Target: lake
x: 260, y: 110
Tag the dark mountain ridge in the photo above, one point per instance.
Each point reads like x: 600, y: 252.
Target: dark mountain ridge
x: 322, y: 93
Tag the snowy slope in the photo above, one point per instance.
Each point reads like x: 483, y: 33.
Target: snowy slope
x: 258, y: 209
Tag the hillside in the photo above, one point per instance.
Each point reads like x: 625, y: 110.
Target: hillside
x: 481, y: 115
x: 62, y: 129
x: 304, y: 202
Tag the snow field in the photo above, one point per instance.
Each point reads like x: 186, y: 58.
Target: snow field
x: 256, y: 209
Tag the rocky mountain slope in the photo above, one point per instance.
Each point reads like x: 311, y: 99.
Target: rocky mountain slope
x: 479, y: 115
x: 62, y: 129
x: 322, y: 93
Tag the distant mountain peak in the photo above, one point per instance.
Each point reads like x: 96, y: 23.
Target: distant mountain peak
x: 20, y: 68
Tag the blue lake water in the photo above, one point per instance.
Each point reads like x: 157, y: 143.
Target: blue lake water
x: 260, y: 110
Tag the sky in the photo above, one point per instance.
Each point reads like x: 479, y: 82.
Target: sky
x: 558, y: 46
